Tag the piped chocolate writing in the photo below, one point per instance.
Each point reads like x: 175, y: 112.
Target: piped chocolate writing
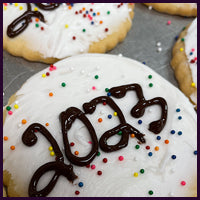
x: 67, y: 119
x: 25, y: 18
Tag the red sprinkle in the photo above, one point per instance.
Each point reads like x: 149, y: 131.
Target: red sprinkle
x: 121, y: 158
x: 183, y: 183
x: 105, y: 160
x: 88, y: 166
x: 74, y: 38
x: 93, y: 166
x: 47, y: 74
x: 147, y: 147
x: 106, y: 29
x: 77, y: 192
x: 71, y: 144
x: 99, y: 173
x: 104, y: 103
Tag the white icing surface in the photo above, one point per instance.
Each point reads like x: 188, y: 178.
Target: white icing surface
x: 56, y: 40
x: 190, y: 43
x: 163, y: 175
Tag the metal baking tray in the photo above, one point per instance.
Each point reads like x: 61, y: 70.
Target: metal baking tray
x: 149, y: 27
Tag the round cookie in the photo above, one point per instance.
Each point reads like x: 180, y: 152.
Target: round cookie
x: 183, y: 9
x: 126, y: 132
x: 50, y: 32
x: 184, y: 61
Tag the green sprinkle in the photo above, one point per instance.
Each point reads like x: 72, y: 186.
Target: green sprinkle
x: 84, y: 30
x: 107, y: 90
x: 150, y: 76
x: 98, y: 154
x: 150, y: 84
x: 36, y: 25
x: 63, y: 84
x: 182, y: 39
x: 8, y: 108
x: 119, y: 133
x: 108, y: 12
x: 150, y: 192
x: 142, y: 171
x: 184, y: 28
x: 137, y: 146
x: 96, y: 77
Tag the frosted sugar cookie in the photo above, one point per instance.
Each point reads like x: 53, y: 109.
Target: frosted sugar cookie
x: 99, y: 131
x: 183, y: 9
x: 50, y: 32
x: 184, y: 61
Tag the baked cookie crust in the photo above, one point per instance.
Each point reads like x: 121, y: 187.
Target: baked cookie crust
x: 183, y: 9
x: 182, y: 70
x: 22, y: 49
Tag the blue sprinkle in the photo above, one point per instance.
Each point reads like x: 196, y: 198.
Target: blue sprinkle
x: 72, y: 4
x: 108, y: 94
x: 80, y: 184
x: 10, y: 3
x: 92, y: 22
x: 191, y: 53
x: 150, y: 154
x: 173, y: 157
x: 195, y: 152
x: 109, y: 116
x: 158, y: 137
x: 179, y: 117
x: 86, y: 12
x: 144, y: 63
x: 94, y: 14
x: 180, y: 133
x: 178, y: 110
x: 172, y: 131
x: 139, y: 121
x: 176, y: 38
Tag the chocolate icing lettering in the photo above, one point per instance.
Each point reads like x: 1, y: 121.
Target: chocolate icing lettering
x: 67, y: 119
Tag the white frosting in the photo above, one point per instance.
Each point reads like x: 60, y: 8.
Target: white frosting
x: 191, y: 43
x: 163, y: 175
x: 56, y: 40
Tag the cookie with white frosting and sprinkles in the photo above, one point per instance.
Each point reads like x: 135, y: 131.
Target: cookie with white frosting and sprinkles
x: 99, y: 131
x: 50, y: 32
x: 184, y: 61
x: 183, y: 9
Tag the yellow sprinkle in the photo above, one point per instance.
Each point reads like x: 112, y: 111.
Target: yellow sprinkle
x: 43, y: 75
x: 50, y: 148
x: 52, y: 153
x: 36, y: 9
x: 193, y: 84
x: 21, y: 7
x: 115, y: 113
x: 181, y: 49
x: 16, y: 4
x: 16, y: 106
x: 66, y: 25
x: 135, y: 174
x: 5, y: 8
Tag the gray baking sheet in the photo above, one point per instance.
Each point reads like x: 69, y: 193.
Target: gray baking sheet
x: 149, y: 27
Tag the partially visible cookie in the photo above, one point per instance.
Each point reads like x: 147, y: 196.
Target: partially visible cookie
x: 183, y: 9
x: 50, y: 32
x: 4, y: 192
x: 184, y: 61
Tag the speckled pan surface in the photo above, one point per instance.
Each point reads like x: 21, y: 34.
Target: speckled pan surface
x: 140, y: 44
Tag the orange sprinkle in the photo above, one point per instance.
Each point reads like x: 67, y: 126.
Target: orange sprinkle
x: 47, y: 124
x: 50, y: 94
x: 98, y: 13
x: 83, y: 8
x: 76, y: 152
x: 24, y: 121
x: 100, y: 120
x: 156, y: 148
x: 5, y: 138
x: 132, y: 135
x: 37, y: 20
x: 166, y: 141
x: 69, y: 7
x: 12, y: 147
x: 101, y: 22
